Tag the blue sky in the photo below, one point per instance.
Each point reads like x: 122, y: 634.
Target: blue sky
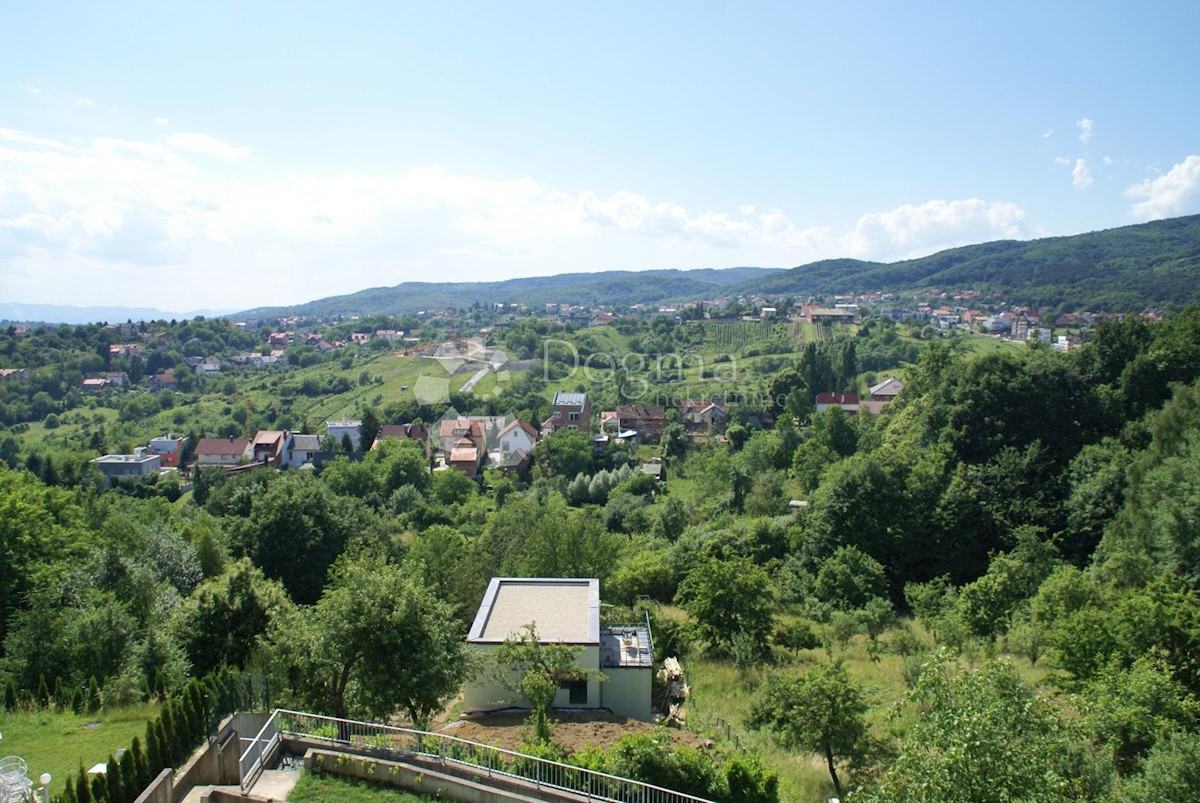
x: 229, y: 155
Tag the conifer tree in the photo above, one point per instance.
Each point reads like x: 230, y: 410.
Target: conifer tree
x: 68, y: 795
x: 99, y: 789
x: 141, y: 764
x: 113, y: 786
x: 196, y: 696
x: 44, y: 700
x: 154, y: 759
x: 93, y: 694
x: 78, y: 705
x: 164, y: 746
x: 170, y: 737
x: 190, y: 722
x: 61, y: 698
x: 83, y: 790
x: 10, y: 696
x: 129, y: 780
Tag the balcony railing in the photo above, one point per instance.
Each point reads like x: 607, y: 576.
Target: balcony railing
x: 482, y: 760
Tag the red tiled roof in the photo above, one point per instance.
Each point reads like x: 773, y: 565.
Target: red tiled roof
x: 837, y: 398
x: 234, y: 446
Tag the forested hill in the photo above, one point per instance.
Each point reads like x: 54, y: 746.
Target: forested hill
x: 1129, y: 268
x: 610, y: 287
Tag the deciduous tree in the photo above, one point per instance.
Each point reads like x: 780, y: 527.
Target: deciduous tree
x: 819, y: 710
x: 376, y: 644
x: 728, y: 599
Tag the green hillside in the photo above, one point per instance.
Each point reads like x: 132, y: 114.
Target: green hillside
x: 610, y: 287
x: 1129, y: 268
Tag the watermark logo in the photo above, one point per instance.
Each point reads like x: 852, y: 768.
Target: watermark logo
x: 433, y: 387
x: 639, y: 377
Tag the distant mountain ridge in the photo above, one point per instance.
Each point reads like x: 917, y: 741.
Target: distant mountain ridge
x: 1127, y: 268
x: 16, y: 312
x: 607, y: 287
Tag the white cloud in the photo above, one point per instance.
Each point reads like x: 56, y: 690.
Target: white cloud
x: 83, y: 101
x: 161, y: 120
x: 1081, y: 175
x: 124, y: 221
x: 1087, y: 129
x: 1062, y: 160
x: 33, y: 90
x: 28, y: 139
x: 1108, y: 160
x: 1175, y: 193
x: 206, y: 145
x: 911, y: 231
x: 1049, y: 133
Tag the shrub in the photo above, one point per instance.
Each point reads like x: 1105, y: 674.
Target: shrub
x: 797, y: 635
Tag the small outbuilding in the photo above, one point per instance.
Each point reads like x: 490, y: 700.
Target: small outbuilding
x: 567, y: 611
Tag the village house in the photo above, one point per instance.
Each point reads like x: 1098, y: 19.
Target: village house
x: 463, y: 444
x: 14, y: 375
x: 848, y: 402
x: 93, y: 384
x: 303, y: 450
x: 416, y: 432
x: 123, y: 466
x: 517, y: 436
x: 208, y: 366
x: 348, y: 427
x: 829, y: 315
x: 887, y: 390
x: 169, y: 448
x: 882, y: 394
x: 515, y: 454
x: 164, y: 381
x: 704, y: 415
x: 272, y: 447
x: 564, y: 611
x: 648, y: 421
x: 122, y: 350
x: 222, y: 451
x: 570, y: 411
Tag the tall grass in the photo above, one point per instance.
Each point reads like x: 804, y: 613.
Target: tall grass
x: 59, y: 743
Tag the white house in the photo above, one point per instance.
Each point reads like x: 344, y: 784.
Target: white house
x: 208, y: 366
x: 304, y: 448
x: 352, y: 428
x: 517, y: 436
x: 120, y: 466
x: 222, y: 451
x: 567, y: 611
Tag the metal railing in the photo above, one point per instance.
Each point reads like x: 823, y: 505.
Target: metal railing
x: 483, y: 761
x: 253, y: 757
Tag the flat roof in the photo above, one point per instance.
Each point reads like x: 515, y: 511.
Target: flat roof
x: 626, y: 647
x: 564, y: 609
x: 127, y: 458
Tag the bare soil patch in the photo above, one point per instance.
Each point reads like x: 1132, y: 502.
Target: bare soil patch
x: 572, y: 731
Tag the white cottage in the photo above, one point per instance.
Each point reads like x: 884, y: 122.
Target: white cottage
x: 565, y: 610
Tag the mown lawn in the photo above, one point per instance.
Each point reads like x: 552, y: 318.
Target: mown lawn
x: 324, y: 787
x: 60, y: 743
